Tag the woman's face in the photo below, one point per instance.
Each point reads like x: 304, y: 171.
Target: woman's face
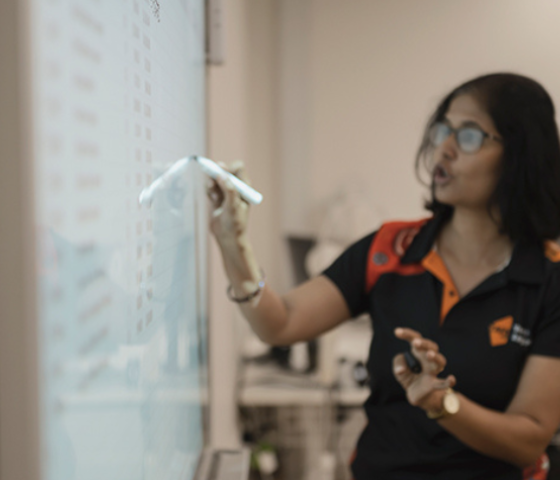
x: 467, y: 179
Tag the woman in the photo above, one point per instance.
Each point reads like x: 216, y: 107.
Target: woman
x: 473, y: 292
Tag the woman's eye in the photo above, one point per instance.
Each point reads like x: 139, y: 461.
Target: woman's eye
x: 470, y: 134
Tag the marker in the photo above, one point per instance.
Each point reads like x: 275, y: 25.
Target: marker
x: 213, y: 170
x: 412, y: 362
x: 210, y: 168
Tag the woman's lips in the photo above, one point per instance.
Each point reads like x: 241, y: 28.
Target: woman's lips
x: 441, y: 175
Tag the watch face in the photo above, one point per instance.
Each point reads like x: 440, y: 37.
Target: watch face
x: 451, y: 403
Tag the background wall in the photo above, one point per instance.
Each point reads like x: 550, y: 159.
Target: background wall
x: 325, y: 96
x: 375, y: 71
x: 242, y: 126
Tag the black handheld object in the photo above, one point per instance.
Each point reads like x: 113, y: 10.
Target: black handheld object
x: 412, y: 362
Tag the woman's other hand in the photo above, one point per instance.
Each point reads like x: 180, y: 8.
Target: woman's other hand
x: 424, y: 389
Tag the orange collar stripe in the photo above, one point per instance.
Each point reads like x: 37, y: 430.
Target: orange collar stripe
x: 434, y: 264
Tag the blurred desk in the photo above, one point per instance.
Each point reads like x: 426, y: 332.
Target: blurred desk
x: 303, y: 419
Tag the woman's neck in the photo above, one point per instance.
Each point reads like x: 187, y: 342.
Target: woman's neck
x: 473, y: 238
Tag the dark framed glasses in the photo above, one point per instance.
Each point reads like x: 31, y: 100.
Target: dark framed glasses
x: 469, y: 139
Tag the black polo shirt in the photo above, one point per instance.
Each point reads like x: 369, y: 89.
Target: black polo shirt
x: 396, y: 276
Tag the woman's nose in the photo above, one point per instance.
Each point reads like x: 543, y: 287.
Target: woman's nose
x: 449, y: 146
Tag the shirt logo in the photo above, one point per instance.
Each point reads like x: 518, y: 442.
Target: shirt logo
x: 499, y: 331
x: 503, y: 330
x: 521, y: 335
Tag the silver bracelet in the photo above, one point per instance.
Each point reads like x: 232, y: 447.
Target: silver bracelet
x: 250, y: 296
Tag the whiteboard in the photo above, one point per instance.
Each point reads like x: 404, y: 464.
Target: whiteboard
x: 118, y: 96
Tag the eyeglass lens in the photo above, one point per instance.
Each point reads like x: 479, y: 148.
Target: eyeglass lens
x: 469, y: 139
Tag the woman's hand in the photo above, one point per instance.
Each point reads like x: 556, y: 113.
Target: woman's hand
x: 424, y: 389
x: 229, y: 225
x: 230, y: 211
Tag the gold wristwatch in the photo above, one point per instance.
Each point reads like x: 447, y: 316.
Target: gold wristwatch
x: 450, y: 406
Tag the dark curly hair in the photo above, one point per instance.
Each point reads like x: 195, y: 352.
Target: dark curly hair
x: 528, y: 191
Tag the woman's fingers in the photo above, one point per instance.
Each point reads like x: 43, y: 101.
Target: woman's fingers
x: 238, y: 169
x: 432, y: 361
x: 214, y: 193
x: 420, y: 386
x: 438, y: 361
x: 230, y: 194
x: 407, y: 334
x: 424, y: 349
x: 451, y: 381
x: 401, y: 371
x: 229, y: 213
x: 399, y: 365
x: 423, y: 344
x: 415, y: 339
x: 445, y: 383
x: 228, y: 191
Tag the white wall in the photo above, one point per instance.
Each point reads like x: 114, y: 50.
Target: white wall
x: 242, y: 125
x: 376, y: 70
x: 226, y: 140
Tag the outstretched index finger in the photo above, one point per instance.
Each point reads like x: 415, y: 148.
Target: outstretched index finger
x: 407, y: 334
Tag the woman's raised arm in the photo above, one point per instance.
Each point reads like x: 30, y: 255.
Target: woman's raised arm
x: 303, y: 313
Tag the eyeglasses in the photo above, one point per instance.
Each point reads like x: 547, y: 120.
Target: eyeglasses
x: 469, y: 139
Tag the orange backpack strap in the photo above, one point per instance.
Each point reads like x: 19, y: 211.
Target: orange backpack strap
x: 388, y: 246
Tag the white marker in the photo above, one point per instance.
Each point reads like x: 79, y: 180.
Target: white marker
x: 214, y: 171
x: 209, y: 168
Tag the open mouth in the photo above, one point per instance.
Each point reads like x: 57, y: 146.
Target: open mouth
x: 441, y: 175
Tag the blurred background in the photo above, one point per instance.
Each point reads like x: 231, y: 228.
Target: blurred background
x: 325, y: 101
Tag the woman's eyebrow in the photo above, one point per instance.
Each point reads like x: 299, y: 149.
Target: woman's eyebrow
x: 466, y: 123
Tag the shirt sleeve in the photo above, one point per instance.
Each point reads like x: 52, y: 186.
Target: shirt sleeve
x: 348, y: 273
x: 546, y: 338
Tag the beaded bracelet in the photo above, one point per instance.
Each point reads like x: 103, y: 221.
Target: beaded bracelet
x: 250, y: 296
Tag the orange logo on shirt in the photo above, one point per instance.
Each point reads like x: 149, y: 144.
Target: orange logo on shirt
x: 499, y: 331
x: 552, y: 251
